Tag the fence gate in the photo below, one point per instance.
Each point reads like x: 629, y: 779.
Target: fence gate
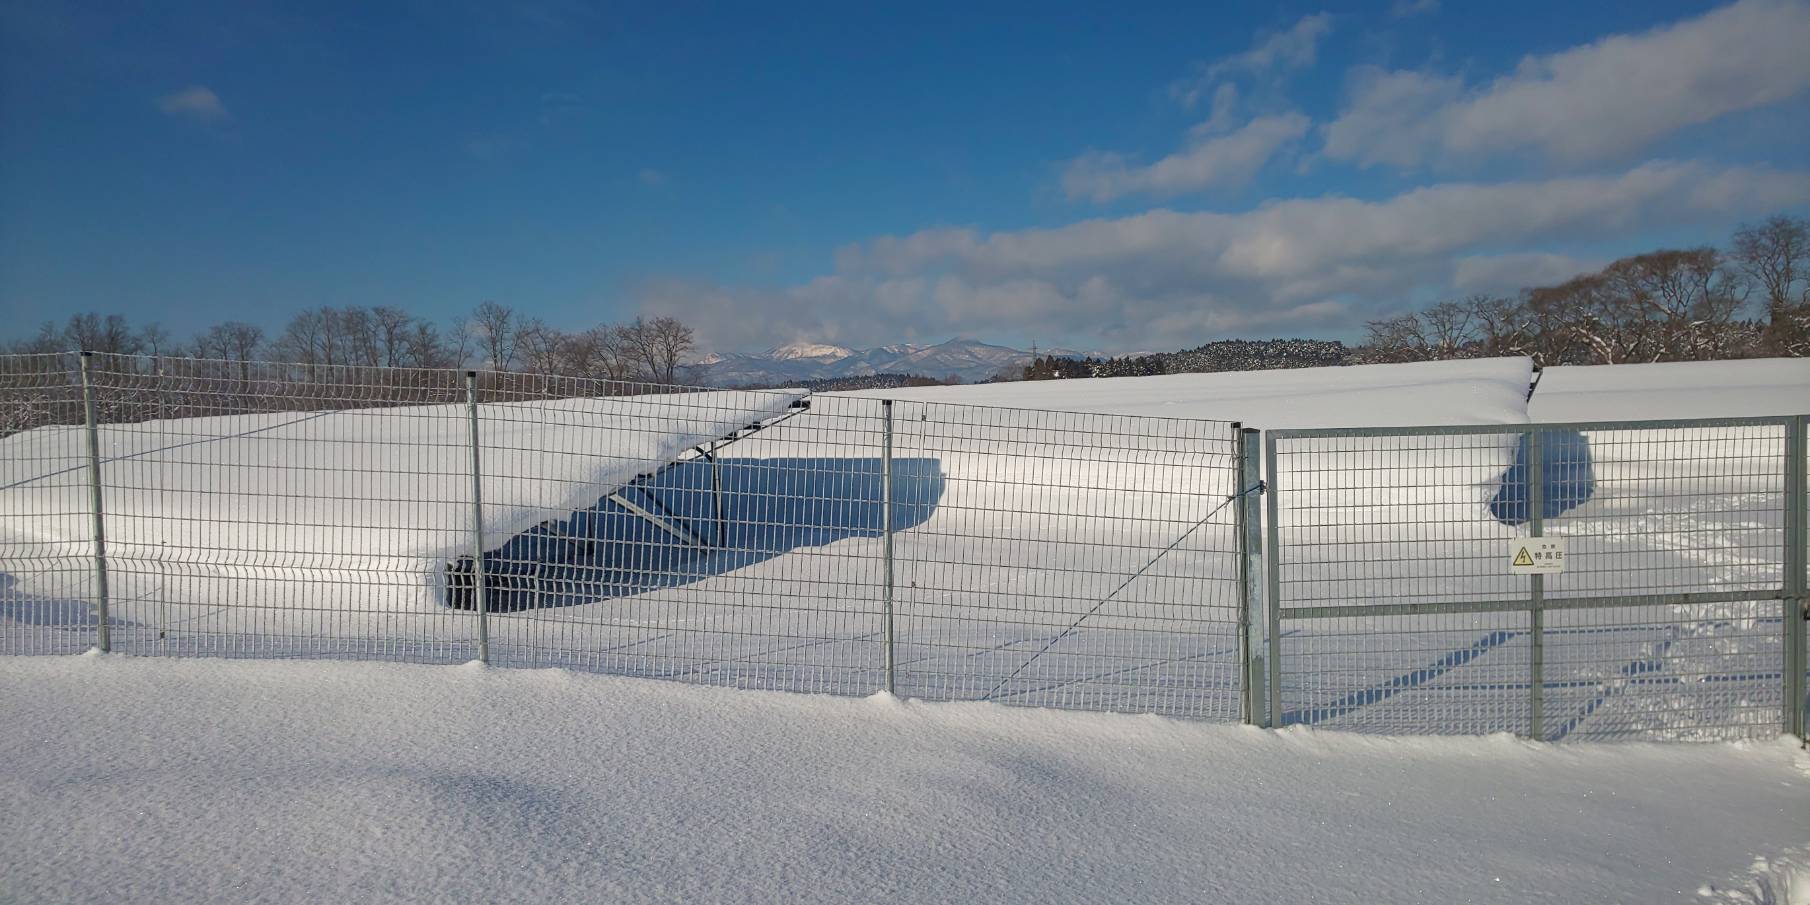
x: 1559, y: 581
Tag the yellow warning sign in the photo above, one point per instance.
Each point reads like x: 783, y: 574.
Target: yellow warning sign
x: 1536, y: 555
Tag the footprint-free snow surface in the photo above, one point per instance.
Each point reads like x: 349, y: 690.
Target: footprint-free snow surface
x: 155, y: 781
x: 1480, y: 391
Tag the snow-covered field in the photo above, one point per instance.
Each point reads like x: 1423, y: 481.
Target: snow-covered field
x: 208, y: 779
x: 153, y: 781
x: 1021, y: 536
x: 1686, y: 389
x: 1483, y: 391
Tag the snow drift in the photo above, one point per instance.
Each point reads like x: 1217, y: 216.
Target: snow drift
x: 211, y: 781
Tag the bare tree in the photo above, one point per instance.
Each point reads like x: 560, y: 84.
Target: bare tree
x: 1395, y: 339
x: 91, y: 332
x: 306, y: 340
x: 391, y: 328
x: 1581, y: 321
x: 1775, y: 255
x: 460, y: 343
x: 657, y: 346
x: 1502, y: 325
x: 423, y: 348
x: 1685, y: 301
x: 359, y: 336
x: 496, y: 330
x: 1450, y: 330
x: 235, y: 341
x: 154, y: 339
x: 540, y: 348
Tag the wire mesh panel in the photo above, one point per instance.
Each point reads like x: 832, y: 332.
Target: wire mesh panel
x: 1676, y: 509
x: 1426, y: 674
x: 1074, y: 560
x: 751, y: 559
x: 1702, y: 672
x: 46, y: 575
x: 1369, y: 524
x: 728, y: 537
x: 1399, y: 604
x: 267, y: 511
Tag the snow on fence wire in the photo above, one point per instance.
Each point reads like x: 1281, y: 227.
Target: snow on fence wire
x: 1679, y: 611
x: 846, y: 544
x: 750, y: 538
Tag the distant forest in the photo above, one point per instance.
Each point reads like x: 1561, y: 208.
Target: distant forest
x: 1751, y: 300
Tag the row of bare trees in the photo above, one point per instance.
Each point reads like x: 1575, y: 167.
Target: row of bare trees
x: 641, y: 349
x: 1675, y: 305
x: 493, y: 336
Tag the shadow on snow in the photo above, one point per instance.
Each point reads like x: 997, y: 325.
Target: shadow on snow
x: 764, y: 508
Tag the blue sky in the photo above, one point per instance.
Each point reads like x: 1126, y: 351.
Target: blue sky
x: 1102, y: 178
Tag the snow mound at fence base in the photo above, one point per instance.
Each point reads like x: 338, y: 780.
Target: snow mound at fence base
x: 303, y: 509
x: 206, y: 780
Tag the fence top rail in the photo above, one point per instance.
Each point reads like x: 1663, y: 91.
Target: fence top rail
x: 1426, y: 430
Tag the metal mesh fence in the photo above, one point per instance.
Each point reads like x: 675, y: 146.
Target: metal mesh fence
x: 729, y: 537
x: 847, y: 544
x: 1129, y: 598
x: 47, y: 576
x: 1399, y: 604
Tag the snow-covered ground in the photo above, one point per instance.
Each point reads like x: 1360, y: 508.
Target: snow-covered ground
x: 1041, y: 558
x: 144, y: 780
x: 1482, y: 391
x: 1684, y: 389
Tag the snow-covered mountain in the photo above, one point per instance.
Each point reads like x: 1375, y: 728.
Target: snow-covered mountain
x: 970, y: 360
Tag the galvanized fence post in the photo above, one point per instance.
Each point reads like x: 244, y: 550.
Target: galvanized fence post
x: 480, y: 603
x: 1273, y: 581
x: 103, y: 623
x: 1248, y: 523
x: 1797, y: 571
x: 886, y: 632
x: 1536, y: 614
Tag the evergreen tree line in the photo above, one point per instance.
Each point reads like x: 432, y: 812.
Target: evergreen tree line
x: 1223, y: 355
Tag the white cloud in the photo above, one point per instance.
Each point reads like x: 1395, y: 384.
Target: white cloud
x: 1206, y: 163
x: 1511, y: 273
x: 1275, y: 52
x: 1595, y: 101
x: 1169, y: 278
x: 1402, y: 9
x: 196, y: 102
x: 1390, y: 117
x: 652, y: 177
x: 1217, y: 153
x: 1291, y: 49
x: 1225, y: 108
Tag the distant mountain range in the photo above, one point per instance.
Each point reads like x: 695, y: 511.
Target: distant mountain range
x: 970, y: 360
